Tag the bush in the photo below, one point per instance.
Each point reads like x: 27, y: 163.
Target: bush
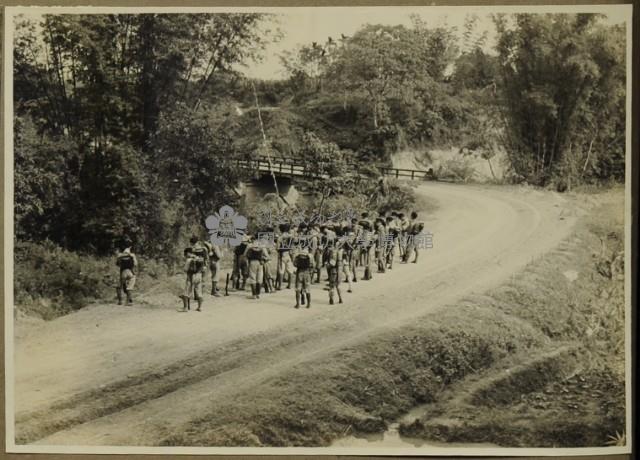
x: 50, y: 281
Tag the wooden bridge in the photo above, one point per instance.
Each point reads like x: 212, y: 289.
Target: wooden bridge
x: 297, y: 167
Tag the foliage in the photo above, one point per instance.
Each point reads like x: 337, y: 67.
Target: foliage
x: 561, y: 93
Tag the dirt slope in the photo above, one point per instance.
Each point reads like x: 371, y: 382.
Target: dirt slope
x: 157, y: 369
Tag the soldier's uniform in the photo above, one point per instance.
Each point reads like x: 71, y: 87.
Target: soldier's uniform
x: 256, y: 255
x: 268, y: 271
x: 334, y: 267
x: 381, y: 246
x: 316, y: 249
x: 414, y: 230
x: 127, y: 263
x: 404, y: 225
x: 215, y: 255
x: 195, y: 267
x: 304, y: 263
x: 348, y: 259
x: 393, y: 234
x: 240, y: 266
x: 285, y: 263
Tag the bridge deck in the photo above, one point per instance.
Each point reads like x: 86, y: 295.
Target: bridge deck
x: 296, y: 167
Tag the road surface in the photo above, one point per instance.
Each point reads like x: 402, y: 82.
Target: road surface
x: 115, y: 375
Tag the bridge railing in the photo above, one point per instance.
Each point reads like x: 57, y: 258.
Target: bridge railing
x: 298, y: 167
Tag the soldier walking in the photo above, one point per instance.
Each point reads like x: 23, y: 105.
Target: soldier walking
x: 127, y: 263
x: 304, y: 263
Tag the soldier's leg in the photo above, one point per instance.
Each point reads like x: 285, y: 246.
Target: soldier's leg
x: 415, y: 250
x: 289, y: 267
x: 332, y: 284
x: 198, y: 280
x: 298, y: 288
x: 119, y: 291
x: 259, y: 278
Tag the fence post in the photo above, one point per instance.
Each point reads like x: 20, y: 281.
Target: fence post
x: 412, y: 174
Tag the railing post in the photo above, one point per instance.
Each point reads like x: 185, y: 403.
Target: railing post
x: 412, y: 174
x: 397, y: 173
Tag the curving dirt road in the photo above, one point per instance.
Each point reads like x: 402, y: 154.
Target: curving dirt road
x: 110, y: 375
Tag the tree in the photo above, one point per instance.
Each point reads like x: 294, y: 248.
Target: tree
x: 197, y: 160
x: 553, y: 68
x: 326, y: 169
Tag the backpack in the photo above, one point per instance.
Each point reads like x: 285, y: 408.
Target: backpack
x: 254, y: 253
x: 239, y: 250
x: 125, y: 262
x: 303, y: 262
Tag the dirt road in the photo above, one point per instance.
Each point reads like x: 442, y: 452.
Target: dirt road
x: 110, y: 375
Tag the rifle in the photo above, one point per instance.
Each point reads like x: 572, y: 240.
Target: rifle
x: 226, y: 286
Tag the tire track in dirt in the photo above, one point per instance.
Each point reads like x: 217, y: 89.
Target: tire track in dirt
x: 481, y: 236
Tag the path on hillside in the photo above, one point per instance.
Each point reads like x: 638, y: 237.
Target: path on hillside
x: 156, y: 369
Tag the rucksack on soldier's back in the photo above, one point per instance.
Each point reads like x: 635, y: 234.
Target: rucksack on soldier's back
x: 303, y: 261
x: 125, y: 262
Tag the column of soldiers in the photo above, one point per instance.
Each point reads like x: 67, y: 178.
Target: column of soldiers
x: 299, y: 253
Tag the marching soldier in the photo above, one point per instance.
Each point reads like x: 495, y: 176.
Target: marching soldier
x: 348, y: 261
x: 285, y: 263
x: 215, y: 255
x: 256, y: 256
x: 393, y: 234
x: 240, y: 266
x: 315, y: 246
x: 195, y: 267
x: 304, y: 263
x: 334, y: 267
x: 127, y: 263
x: 403, y: 227
x: 381, y: 245
x: 415, y: 228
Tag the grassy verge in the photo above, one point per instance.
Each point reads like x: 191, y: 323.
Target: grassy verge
x: 50, y: 281
x: 571, y: 299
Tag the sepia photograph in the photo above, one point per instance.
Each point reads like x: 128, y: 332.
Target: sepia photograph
x: 318, y: 230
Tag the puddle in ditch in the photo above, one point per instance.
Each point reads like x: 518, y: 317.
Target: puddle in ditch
x: 391, y: 438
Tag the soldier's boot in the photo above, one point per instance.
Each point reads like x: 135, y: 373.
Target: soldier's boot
x: 302, y: 301
x: 129, y: 299
x: 258, y: 287
x: 119, y: 294
x: 297, y: 305
x: 185, y: 303
x: 331, y: 297
x: 289, y: 281
x: 415, y: 260
x: 339, y: 295
x: 278, y: 281
x: 308, y: 300
x: 214, y: 289
x: 244, y: 284
x: 270, y: 283
x: 199, y: 305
